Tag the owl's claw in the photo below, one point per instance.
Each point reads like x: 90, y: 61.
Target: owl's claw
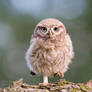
x: 61, y: 75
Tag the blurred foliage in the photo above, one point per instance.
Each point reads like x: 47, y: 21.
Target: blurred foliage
x: 16, y: 27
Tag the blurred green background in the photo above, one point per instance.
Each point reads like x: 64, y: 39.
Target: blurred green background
x: 17, y: 22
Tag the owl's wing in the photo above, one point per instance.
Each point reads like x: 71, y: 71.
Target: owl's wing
x: 29, y: 64
x: 70, y: 46
x: 27, y: 57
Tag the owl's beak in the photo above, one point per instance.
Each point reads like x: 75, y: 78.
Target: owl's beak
x: 50, y: 33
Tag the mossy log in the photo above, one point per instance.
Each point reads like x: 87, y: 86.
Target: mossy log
x: 59, y: 86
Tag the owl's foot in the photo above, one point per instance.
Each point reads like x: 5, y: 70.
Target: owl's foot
x: 45, y: 81
x: 61, y: 75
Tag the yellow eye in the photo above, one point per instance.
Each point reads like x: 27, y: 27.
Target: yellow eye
x: 43, y: 28
x: 55, y: 29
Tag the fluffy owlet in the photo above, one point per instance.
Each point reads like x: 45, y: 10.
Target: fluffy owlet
x: 50, y: 51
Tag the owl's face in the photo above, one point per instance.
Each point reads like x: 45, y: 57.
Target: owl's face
x: 49, y: 28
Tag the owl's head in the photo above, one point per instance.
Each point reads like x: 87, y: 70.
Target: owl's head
x: 49, y: 28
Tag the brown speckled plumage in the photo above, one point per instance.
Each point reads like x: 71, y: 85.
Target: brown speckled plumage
x: 50, y: 51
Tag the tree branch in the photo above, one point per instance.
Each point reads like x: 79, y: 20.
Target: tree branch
x: 59, y: 86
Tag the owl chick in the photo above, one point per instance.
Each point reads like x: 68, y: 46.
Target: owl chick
x: 50, y: 51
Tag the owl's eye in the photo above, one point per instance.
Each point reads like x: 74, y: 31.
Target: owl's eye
x: 55, y: 28
x: 43, y: 28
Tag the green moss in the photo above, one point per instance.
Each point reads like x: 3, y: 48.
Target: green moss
x: 75, y: 90
x: 62, y: 83
x: 84, y: 87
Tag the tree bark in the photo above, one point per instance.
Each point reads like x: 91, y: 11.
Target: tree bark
x: 59, y: 86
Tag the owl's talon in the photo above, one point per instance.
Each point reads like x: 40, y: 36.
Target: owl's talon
x: 61, y: 75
